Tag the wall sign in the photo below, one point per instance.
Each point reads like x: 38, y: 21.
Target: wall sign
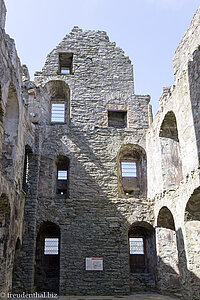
x: 94, y: 264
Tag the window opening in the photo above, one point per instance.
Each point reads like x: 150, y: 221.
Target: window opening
x: 117, y: 119
x: 58, y: 112
x: 65, y: 62
x: 51, y: 246
x: 129, y: 169
x: 136, y: 245
x: 62, y: 175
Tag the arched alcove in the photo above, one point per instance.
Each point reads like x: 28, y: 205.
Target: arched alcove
x: 10, y: 136
x: 132, y: 170
x: 192, y: 231
x: 59, y: 94
x: 4, y: 234
x: 165, y: 219
x: 47, y: 264
x: 170, y: 151
x: 167, y: 252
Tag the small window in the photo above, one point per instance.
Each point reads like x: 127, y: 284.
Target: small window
x: 136, y: 245
x: 62, y: 175
x: 129, y: 169
x: 117, y: 119
x: 65, y: 63
x: 58, y: 112
x: 51, y: 246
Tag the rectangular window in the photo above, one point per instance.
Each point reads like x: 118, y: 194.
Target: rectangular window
x: 65, y: 63
x: 129, y: 169
x: 58, y: 112
x: 117, y: 119
x: 136, y: 245
x: 62, y: 175
x: 51, y: 246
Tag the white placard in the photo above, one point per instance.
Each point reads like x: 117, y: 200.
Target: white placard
x: 94, y: 264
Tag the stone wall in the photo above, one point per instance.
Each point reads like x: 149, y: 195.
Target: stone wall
x: 93, y: 219
x: 168, y: 189
x: 15, y: 131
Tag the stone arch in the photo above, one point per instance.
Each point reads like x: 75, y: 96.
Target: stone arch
x: 192, y: 209
x: 192, y: 232
x: 16, y: 280
x: 47, y: 265
x: 167, y: 252
x: 171, y: 162
x: 137, y: 184
x: 142, y: 256
x: 59, y: 93
x: 4, y: 236
x: 10, y: 136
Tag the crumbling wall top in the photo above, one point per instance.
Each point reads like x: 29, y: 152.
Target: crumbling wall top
x: 2, y: 14
x: 187, y: 46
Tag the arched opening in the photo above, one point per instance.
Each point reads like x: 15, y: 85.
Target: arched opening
x: 47, y: 267
x: 27, y: 169
x: 192, y: 231
x: 10, y: 137
x: 132, y: 170
x: 142, y: 256
x: 165, y: 219
x: 4, y: 236
x: 59, y: 94
x: 16, y: 282
x: 167, y: 252
x: 170, y: 151
x: 62, y: 175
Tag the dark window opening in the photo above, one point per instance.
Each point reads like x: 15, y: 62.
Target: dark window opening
x: 62, y: 176
x: 47, y: 266
x: 65, y: 63
x: 117, y: 119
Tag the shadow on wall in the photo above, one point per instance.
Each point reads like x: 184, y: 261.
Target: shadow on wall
x: 89, y: 216
x: 4, y: 237
x: 194, y: 85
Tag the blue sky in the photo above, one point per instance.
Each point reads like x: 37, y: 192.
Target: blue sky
x: 147, y: 30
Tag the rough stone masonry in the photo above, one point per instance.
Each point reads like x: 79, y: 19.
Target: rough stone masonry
x: 96, y: 197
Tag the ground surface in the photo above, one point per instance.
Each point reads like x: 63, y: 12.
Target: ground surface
x: 146, y: 296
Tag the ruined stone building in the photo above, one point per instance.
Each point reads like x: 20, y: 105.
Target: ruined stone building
x: 96, y: 198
